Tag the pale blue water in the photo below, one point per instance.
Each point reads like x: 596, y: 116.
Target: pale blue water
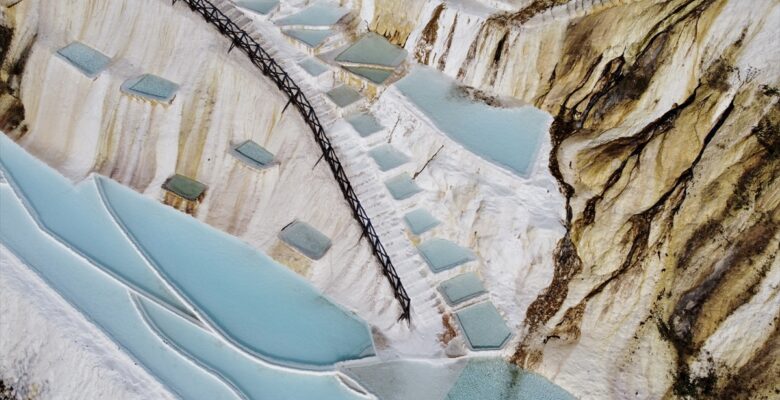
x: 253, y: 154
x: 254, y: 380
x: 374, y: 75
x: 76, y: 215
x: 441, y: 254
x: 507, y: 136
x: 461, y: 288
x: 320, y: 14
x: 373, y: 49
x: 256, y: 303
x: 306, y: 239
x: 409, y: 379
x: 185, y: 187
x: 461, y: 379
x: 200, y: 365
x: 420, y: 221
x: 103, y: 301
x: 258, y: 6
x: 310, y: 37
x: 494, y: 378
x: 483, y: 326
x: 365, y: 124
x: 151, y: 87
x: 86, y: 59
x: 388, y: 157
x: 343, y: 95
x: 402, y: 186
x: 313, y: 67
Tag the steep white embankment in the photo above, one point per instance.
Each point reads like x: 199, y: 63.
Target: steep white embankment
x: 78, y: 126
x: 510, y: 222
x: 665, y: 145
x: 51, y: 351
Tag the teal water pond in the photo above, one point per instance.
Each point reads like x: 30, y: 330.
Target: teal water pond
x: 258, y: 6
x: 86, y: 59
x: 494, y: 378
x: 483, y: 326
x: 402, y: 186
x: 365, y: 124
x: 509, y: 137
x: 257, y: 304
x: 320, y: 14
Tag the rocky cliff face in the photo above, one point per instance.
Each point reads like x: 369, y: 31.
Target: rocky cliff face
x: 666, y: 146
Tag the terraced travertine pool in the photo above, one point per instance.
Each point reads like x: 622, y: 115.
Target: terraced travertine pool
x: 509, y: 137
x: 112, y: 252
x: 258, y: 6
x: 480, y: 378
x: 86, y: 59
x: 174, y: 293
x: 373, y: 49
x: 317, y: 15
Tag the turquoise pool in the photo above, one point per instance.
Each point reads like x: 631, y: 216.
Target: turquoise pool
x: 249, y: 377
x: 253, y: 155
x: 76, y: 216
x: 509, y: 137
x: 104, y: 301
x: 86, y: 59
x: 343, y: 95
x: 258, y: 6
x: 313, y: 67
x: 375, y: 75
x: 441, y: 254
x: 151, y: 87
x: 461, y: 288
x: 388, y: 157
x: 255, y: 303
x: 163, y: 342
x: 420, y: 221
x: 402, y: 186
x: 483, y: 326
x: 270, y: 312
x: 373, y: 49
x: 454, y: 379
x: 306, y: 239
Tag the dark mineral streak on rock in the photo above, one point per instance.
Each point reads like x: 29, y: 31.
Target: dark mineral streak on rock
x: 12, y: 114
